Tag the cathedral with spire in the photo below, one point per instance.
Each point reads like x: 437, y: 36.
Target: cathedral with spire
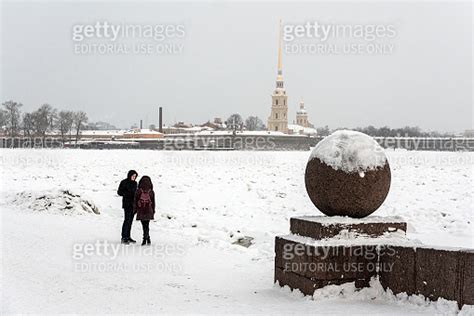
x: 278, y: 119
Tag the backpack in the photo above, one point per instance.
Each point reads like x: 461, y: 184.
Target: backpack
x: 144, y: 200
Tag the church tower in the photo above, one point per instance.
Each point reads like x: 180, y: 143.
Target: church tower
x: 302, y: 116
x: 278, y: 120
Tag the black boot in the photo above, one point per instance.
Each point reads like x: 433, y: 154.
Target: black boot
x: 144, y: 242
x: 125, y: 241
x: 131, y: 240
x: 148, y: 241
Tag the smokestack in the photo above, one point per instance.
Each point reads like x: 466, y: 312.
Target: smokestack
x: 160, y: 120
x: 141, y: 124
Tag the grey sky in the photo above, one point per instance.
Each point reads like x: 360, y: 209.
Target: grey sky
x: 229, y: 64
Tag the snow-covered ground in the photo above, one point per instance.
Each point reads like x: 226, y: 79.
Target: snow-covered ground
x: 58, y: 256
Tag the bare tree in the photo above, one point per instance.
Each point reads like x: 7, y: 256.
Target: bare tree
x: 65, y: 121
x: 3, y: 119
x: 42, y: 120
x: 323, y: 131
x: 254, y: 123
x: 12, y: 116
x: 28, y: 124
x: 53, y: 118
x: 80, y: 119
x: 386, y: 131
x: 234, y: 122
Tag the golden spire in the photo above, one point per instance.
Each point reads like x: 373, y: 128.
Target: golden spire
x: 279, y: 51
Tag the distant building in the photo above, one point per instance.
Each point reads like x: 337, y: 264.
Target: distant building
x: 100, y: 126
x: 102, y: 134
x: 217, y: 124
x: 181, y: 124
x: 142, y: 133
x: 278, y: 120
x: 469, y: 133
x: 210, y: 125
x: 302, y: 116
x: 185, y: 130
x: 302, y: 125
x: 300, y: 130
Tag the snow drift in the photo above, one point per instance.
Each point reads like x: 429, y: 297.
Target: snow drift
x: 60, y: 202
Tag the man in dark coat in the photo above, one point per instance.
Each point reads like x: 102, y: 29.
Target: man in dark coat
x: 127, y: 190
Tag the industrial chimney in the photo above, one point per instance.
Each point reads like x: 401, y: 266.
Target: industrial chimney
x: 160, y: 120
x: 141, y: 124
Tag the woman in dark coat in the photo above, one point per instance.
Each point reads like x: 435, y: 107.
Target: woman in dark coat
x: 144, y: 206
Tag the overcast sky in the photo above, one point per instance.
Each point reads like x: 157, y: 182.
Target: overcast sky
x: 229, y: 59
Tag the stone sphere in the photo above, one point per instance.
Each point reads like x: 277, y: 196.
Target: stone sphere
x: 347, y: 175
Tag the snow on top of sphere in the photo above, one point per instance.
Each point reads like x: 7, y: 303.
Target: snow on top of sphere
x: 349, y: 151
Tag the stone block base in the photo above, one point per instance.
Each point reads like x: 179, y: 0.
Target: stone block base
x: 322, y: 227
x: 307, y: 265
x: 433, y: 273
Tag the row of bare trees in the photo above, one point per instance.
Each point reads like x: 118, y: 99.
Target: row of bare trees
x: 44, y: 121
x: 252, y: 123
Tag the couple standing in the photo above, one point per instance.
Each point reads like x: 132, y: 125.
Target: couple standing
x: 138, y: 200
